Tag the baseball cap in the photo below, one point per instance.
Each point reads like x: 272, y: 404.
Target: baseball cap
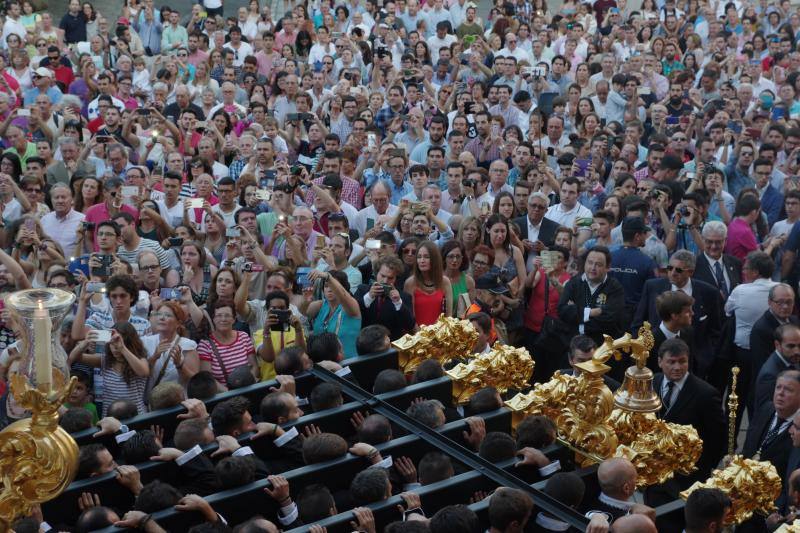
x: 492, y: 283
x: 43, y: 72
x: 635, y: 224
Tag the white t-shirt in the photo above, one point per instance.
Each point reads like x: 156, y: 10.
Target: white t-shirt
x: 151, y: 343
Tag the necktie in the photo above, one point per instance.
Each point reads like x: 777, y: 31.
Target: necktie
x: 772, y: 434
x: 720, y: 279
x: 667, y: 400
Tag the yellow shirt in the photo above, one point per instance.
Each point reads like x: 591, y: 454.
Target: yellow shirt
x: 280, y: 340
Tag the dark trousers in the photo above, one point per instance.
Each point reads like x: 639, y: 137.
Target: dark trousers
x: 546, y: 361
x: 744, y: 382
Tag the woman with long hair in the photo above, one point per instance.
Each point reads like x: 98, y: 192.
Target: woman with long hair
x: 456, y: 264
x: 226, y: 349
x: 337, y: 312
x: 123, y: 365
x: 508, y: 260
x: 223, y: 287
x: 481, y: 260
x: 201, y: 81
x: 430, y: 290
x: 504, y: 205
x: 195, y: 271
x: 302, y: 45
x: 422, y: 53
x: 172, y: 356
x: 469, y: 233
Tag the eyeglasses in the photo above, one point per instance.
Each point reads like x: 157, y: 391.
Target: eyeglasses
x: 410, y: 251
x: 59, y: 286
x: 149, y: 268
x: 642, y: 189
x: 33, y: 190
x: 783, y: 302
x: 537, y: 206
x: 478, y: 262
x: 672, y: 268
x: 163, y: 315
x: 105, y: 234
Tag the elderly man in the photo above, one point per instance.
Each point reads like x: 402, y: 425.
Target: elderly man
x: 297, y: 234
x: 762, y: 335
x: 785, y: 356
x: 379, y: 211
x: 62, y: 171
x: 183, y: 102
x: 61, y: 224
x: 714, y: 266
x: 44, y: 83
x: 228, y: 103
x: 18, y: 144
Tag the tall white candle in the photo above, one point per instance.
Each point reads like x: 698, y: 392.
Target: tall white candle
x: 42, y: 333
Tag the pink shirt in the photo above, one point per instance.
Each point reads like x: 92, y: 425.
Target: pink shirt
x: 99, y: 213
x: 741, y: 239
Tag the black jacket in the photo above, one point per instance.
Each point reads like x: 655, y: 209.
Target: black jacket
x: 767, y: 376
x: 686, y: 335
x: 547, y: 231
x: 699, y: 405
x: 707, y: 321
x: 382, y: 311
x: 733, y: 267
x: 778, y: 450
x: 762, y: 338
x: 609, y: 297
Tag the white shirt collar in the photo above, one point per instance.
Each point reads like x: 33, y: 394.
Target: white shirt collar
x: 615, y: 503
x: 678, y: 384
x: 667, y: 333
x: 589, y: 283
x: 550, y: 524
x: 686, y: 288
x: 712, y: 261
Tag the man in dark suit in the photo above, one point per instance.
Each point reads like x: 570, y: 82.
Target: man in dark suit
x: 713, y: 265
x: 707, y: 307
x: 382, y: 303
x: 536, y: 231
x: 594, y: 303
x: 785, y: 356
x: 688, y: 400
x: 768, y: 436
x: 789, y: 492
x: 675, y: 309
x: 762, y: 336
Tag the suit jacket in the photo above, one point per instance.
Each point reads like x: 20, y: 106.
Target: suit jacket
x: 547, y: 231
x: 778, y: 450
x: 793, y: 464
x: 382, y: 311
x: 686, y: 335
x: 732, y: 265
x: 609, y: 296
x: 762, y: 338
x: 707, y: 321
x: 767, y: 376
x: 699, y: 405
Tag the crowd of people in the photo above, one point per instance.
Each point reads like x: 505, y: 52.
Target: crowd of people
x: 235, y: 194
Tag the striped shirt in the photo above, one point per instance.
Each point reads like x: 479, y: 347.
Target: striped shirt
x: 103, y: 320
x: 233, y: 355
x: 132, y: 256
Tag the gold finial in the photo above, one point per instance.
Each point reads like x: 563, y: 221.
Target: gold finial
x: 733, y: 406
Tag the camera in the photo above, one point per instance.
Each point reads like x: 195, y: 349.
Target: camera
x: 105, y: 269
x: 283, y: 315
x: 387, y: 289
x: 170, y: 294
x: 175, y: 241
x: 469, y: 183
x: 252, y: 267
x: 684, y: 211
x: 94, y: 287
x: 88, y: 226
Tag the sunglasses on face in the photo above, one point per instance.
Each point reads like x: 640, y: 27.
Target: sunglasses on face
x: 676, y: 269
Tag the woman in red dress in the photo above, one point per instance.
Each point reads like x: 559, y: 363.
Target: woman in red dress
x: 429, y: 288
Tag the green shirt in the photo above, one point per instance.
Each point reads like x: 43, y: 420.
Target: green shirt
x: 30, y: 151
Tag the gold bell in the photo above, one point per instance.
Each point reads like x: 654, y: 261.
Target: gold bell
x: 636, y: 393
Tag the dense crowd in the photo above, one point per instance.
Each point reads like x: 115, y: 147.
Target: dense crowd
x: 233, y: 199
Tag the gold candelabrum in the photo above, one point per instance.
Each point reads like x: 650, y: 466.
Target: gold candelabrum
x: 598, y: 424
x: 752, y: 486
x: 446, y: 340
x: 38, y: 459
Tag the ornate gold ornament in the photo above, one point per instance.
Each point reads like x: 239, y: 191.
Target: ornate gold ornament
x: 447, y: 339
x: 503, y: 367
x: 598, y: 424
x: 38, y: 459
x: 752, y: 485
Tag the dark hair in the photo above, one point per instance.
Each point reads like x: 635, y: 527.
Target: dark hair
x: 133, y: 343
x: 704, y: 506
x: 325, y: 396
x: 601, y: 250
x: 323, y: 346
x: 567, y: 487
x: 453, y: 244
x: 375, y: 429
x: 139, y: 448
x: 323, y: 447
x: 88, y: 464
x: 507, y: 506
x: 241, y: 376
x: 483, y: 401
x: 761, y: 263
x: 75, y: 419
x: 673, y: 347
x: 433, y: 467
x: 202, y: 385
x: 369, y: 486
x: 273, y: 407
x: 371, y: 339
x: 388, y: 380
x: 289, y: 361
x: 536, y: 432
x: 124, y: 281
x: 455, y: 519
x: 155, y: 496
x: 315, y: 503
x: 93, y: 519
x: 227, y: 415
x: 497, y: 446
x: 671, y: 303
x: 235, y: 471
x: 427, y: 370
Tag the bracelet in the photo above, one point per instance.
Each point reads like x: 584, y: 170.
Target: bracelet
x: 373, y: 454
x: 145, y: 520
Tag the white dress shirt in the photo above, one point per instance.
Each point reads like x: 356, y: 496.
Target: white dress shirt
x: 63, y: 230
x: 712, y: 262
x: 687, y: 289
x: 675, y: 391
x: 748, y: 301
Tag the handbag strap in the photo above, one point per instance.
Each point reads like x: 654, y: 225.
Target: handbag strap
x: 218, y: 358
x: 166, y: 362
x: 546, y: 294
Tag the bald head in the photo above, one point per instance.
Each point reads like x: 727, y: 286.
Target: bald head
x: 617, y: 478
x: 634, y: 523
